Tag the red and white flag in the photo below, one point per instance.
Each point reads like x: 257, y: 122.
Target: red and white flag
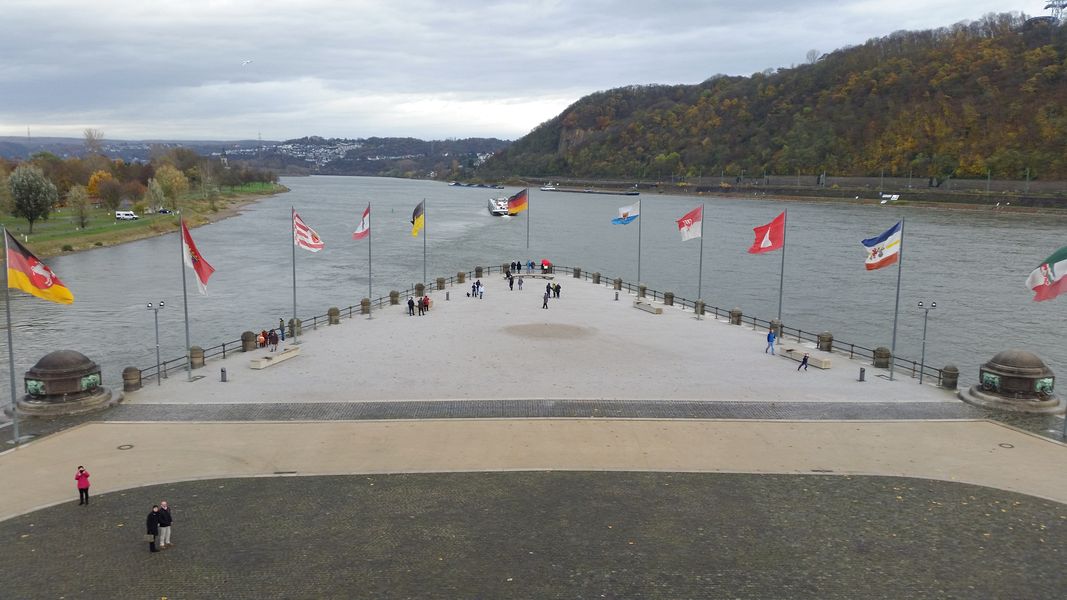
x: 304, y: 236
x: 691, y: 226
x: 363, y: 230
x: 770, y: 236
x: 194, y: 261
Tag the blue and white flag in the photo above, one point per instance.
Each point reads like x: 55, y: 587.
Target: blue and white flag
x: 884, y: 249
x: 628, y: 214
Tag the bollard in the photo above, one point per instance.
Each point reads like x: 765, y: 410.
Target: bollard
x: 478, y: 271
x: 950, y: 377
x: 364, y: 306
x: 881, y: 357
x: 446, y: 296
x: 863, y: 374
x: 248, y: 341
x: 420, y: 289
x: 641, y: 290
x: 735, y: 316
x: 394, y: 297
x: 577, y: 272
x: 618, y: 283
x: 596, y: 278
x: 131, y: 379
x: 668, y: 298
x: 461, y: 277
x: 333, y: 316
x: 223, y: 374
x: 616, y: 296
x: 196, y: 357
x: 440, y: 283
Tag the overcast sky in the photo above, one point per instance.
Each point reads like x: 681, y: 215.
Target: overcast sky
x: 459, y: 68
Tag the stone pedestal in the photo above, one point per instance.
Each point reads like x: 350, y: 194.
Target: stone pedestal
x: 504, y: 268
x: 66, y: 382
x: 668, y: 298
x: 248, y: 341
x: 131, y: 379
x: 617, y: 283
x: 577, y: 272
x: 882, y: 356
x: 196, y: 357
x: 394, y: 297
x: 461, y: 277
x: 596, y: 278
x: 642, y: 290
x: 296, y: 324
x: 698, y: 307
x: 826, y: 341
x: 440, y: 283
x: 364, y: 306
x: 776, y: 327
x: 478, y: 272
x: 333, y: 315
x: 735, y: 316
x: 420, y: 290
x: 1017, y: 381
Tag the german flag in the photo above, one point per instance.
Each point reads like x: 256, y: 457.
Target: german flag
x: 418, y: 218
x: 517, y: 203
x: 26, y: 273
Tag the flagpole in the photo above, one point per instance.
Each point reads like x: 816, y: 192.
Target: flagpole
x: 639, y: 219
x: 781, y: 273
x: 527, y: 219
x: 700, y: 269
x: 424, y: 219
x: 370, y: 268
x: 185, y: 296
x: 292, y: 221
x: 896, y: 309
x: 10, y: 343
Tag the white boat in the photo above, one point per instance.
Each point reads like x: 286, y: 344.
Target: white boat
x: 498, y: 207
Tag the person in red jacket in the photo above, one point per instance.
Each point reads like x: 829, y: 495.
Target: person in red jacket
x: 82, y: 477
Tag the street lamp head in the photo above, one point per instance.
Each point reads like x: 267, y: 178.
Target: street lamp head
x: 932, y: 304
x: 161, y: 304
x: 149, y: 307
x: 920, y: 303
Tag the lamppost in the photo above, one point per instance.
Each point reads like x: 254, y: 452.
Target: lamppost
x: 926, y: 316
x: 155, y: 311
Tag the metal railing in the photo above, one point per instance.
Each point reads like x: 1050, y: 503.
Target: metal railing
x: 907, y: 365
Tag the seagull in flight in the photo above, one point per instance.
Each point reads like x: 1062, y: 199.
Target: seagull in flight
x: 246, y: 62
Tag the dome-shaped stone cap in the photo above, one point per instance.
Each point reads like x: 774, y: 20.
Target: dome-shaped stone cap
x: 1020, y: 363
x: 62, y: 362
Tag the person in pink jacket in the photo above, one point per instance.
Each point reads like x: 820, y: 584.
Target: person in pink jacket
x: 82, y: 477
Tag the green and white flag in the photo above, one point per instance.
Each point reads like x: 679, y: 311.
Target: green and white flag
x: 1049, y: 279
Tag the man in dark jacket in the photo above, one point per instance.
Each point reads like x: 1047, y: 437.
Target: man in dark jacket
x: 165, y: 519
x: 152, y: 528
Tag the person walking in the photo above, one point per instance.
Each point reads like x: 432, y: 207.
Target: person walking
x: 272, y: 339
x: 511, y: 283
x: 545, y: 303
x: 481, y: 290
x: 82, y: 477
x: 548, y: 289
x: 520, y: 284
x: 422, y: 307
x: 770, y: 343
x: 152, y: 528
x: 557, y: 289
x: 411, y: 307
x: 804, y: 362
x: 165, y: 519
x: 425, y: 304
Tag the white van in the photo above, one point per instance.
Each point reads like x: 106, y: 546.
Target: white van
x: 125, y: 215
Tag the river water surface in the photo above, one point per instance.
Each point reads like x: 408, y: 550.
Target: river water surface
x: 972, y: 263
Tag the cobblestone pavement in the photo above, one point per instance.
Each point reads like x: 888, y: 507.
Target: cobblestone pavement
x: 1046, y: 425
x: 547, y: 535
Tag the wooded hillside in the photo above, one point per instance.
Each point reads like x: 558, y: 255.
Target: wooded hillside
x: 948, y: 102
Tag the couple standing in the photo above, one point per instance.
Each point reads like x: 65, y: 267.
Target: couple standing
x: 158, y: 527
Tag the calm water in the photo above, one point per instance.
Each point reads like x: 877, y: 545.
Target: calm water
x: 973, y: 264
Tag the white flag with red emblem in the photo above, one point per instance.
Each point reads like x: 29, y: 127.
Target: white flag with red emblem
x: 304, y: 236
x: 363, y: 230
x: 194, y: 261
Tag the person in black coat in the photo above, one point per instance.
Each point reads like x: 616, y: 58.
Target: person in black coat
x: 152, y: 527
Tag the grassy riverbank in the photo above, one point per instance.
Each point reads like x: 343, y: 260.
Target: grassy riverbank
x: 61, y: 235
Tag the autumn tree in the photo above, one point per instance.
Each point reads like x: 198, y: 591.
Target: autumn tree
x: 155, y: 196
x: 94, y: 141
x: 33, y: 195
x: 78, y: 201
x: 110, y: 193
x: 173, y: 183
x: 95, y: 180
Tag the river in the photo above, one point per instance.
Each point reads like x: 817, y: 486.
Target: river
x: 972, y: 263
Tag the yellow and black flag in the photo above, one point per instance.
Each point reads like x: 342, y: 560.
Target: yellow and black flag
x: 26, y: 273
x: 418, y: 218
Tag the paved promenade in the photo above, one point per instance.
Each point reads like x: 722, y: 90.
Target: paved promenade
x: 493, y: 449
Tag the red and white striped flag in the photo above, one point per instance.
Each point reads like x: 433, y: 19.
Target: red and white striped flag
x: 304, y: 236
x: 363, y: 230
x: 194, y: 261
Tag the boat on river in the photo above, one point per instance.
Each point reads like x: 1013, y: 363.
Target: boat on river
x: 498, y: 207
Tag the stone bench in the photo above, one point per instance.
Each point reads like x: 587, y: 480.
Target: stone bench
x: 816, y: 358
x: 648, y: 307
x: 274, y: 358
x: 534, y: 276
